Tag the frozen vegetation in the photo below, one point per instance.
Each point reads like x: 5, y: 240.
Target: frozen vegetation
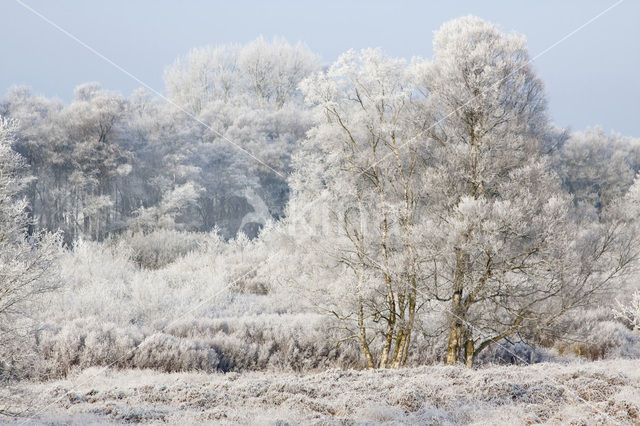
x: 289, y: 244
x: 579, y: 393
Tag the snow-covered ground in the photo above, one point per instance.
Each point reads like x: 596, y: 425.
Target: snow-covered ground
x: 606, y: 392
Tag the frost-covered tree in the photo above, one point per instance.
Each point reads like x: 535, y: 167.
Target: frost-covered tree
x: 38, y: 139
x: 260, y: 72
x: 598, y: 168
x: 163, y: 215
x: 249, y: 106
x: 507, y: 254
x: 273, y: 70
x: 103, y: 157
x: 203, y: 75
x: 26, y: 262
x: 438, y: 191
x: 91, y: 131
x: 359, y: 157
x: 627, y: 209
x: 75, y: 154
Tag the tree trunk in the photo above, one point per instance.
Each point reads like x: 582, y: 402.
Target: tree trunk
x: 404, y: 336
x: 412, y: 318
x: 391, y: 322
x: 363, y: 339
x: 455, y: 336
x: 469, y: 352
x: 457, y: 331
x: 405, y: 351
x: 388, y: 339
x: 399, y: 348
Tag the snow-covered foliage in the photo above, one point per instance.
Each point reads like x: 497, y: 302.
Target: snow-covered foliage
x: 630, y: 312
x: 243, y: 343
x: 594, y: 334
x: 104, y: 280
x: 261, y: 71
x: 598, y: 168
x: 162, y: 246
x: 27, y: 262
x: 105, y: 164
x: 207, y: 310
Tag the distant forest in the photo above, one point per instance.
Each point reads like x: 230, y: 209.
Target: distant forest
x: 218, y: 153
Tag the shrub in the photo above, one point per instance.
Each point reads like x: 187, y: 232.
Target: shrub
x: 167, y: 353
x: 161, y: 247
x: 596, y: 334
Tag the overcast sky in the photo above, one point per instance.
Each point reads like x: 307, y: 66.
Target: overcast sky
x: 592, y: 78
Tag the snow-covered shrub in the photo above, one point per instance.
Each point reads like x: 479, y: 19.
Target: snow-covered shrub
x: 167, y: 353
x: 298, y: 342
x: 103, y: 282
x: 159, y: 248
x: 20, y: 357
x: 595, y: 334
x: 630, y: 313
x: 205, y: 311
x: 514, y: 353
x: 244, y: 258
x: 86, y: 343
x: 98, y: 284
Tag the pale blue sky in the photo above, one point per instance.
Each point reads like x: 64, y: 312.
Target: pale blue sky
x: 591, y: 78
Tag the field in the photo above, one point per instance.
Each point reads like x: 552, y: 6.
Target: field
x: 606, y: 392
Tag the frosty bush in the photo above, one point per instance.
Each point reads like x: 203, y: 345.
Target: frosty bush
x: 87, y: 342
x: 104, y: 282
x: 178, y: 317
x: 167, y: 353
x: 630, y: 313
x: 262, y: 342
x: 595, y: 334
x: 299, y: 342
x: 515, y: 353
x: 163, y: 246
